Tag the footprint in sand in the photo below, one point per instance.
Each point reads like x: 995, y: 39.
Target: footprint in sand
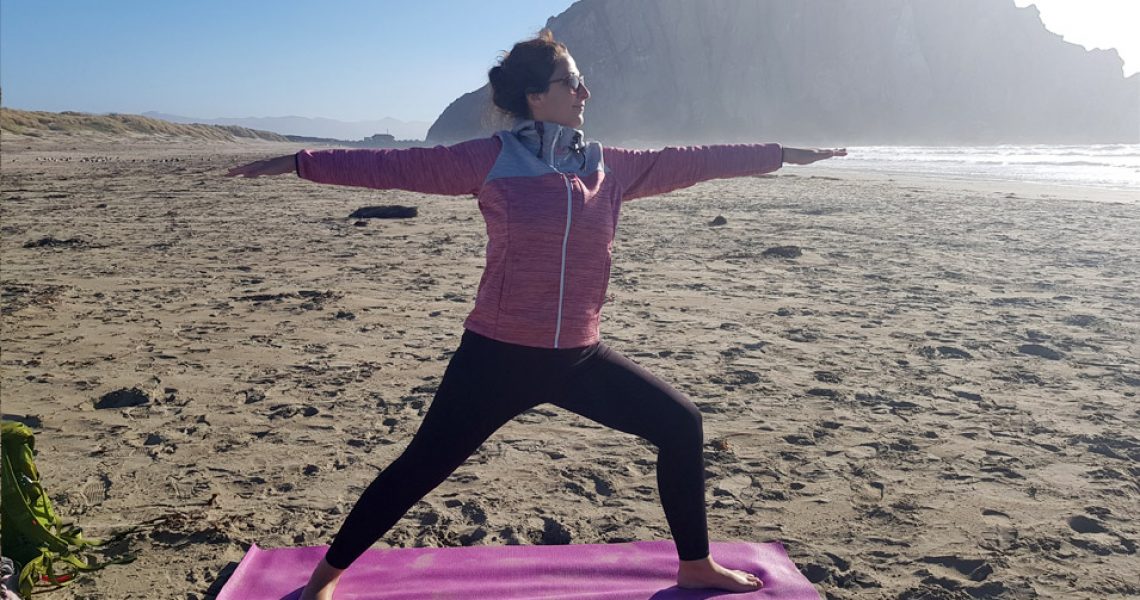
x: 1041, y: 351
x: 862, y: 451
x: 1000, y: 535
x: 995, y: 517
x: 547, y: 531
x: 598, y: 484
x: 799, y: 334
x: 827, y: 377
x: 1096, y: 537
x: 976, y: 569
x: 288, y: 411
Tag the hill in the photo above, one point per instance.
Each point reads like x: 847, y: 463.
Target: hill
x: 315, y: 128
x: 39, y: 124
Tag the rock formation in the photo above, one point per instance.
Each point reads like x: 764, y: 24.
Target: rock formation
x: 853, y: 72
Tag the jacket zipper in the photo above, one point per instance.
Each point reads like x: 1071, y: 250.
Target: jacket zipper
x: 550, y: 160
x: 562, y: 275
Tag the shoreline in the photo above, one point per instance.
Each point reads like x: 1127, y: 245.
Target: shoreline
x: 1021, y: 188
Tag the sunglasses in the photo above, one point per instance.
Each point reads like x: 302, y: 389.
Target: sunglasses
x: 574, y: 82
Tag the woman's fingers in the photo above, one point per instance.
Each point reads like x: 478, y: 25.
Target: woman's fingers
x: 801, y: 156
x: 238, y: 171
x: 252, y: 169
x: 828, y: 153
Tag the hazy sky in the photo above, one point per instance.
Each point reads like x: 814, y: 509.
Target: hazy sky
x: 348, y: 59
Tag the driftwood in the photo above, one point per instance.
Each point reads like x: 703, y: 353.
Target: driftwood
x: 384, y: 212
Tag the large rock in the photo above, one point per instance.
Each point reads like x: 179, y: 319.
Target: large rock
x: 830, y: 72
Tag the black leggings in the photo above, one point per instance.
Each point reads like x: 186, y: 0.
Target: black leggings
x: 489, y: 382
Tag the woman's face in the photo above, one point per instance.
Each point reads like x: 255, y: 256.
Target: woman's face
x: 561, y: 103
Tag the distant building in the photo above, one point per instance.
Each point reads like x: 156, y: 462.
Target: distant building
x: 382, y: 140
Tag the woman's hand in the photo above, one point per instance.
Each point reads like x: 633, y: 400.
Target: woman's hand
x: 270, y: 166
x: 806, y: 156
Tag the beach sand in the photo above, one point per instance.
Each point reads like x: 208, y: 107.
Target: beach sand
x: 935, y: 400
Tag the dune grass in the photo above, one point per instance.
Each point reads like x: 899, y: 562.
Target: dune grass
x: 38, y: 124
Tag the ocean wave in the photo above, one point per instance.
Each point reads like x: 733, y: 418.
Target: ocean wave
x: 1019, y: 161
x: 1114, y: 166
x: 1108, y: 151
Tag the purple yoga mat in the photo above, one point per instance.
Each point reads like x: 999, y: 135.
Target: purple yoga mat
x: 641, y: 570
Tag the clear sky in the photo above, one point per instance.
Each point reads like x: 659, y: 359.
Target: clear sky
x: 343, y: 59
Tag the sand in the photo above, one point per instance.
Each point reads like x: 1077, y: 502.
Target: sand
x: 935, y: 400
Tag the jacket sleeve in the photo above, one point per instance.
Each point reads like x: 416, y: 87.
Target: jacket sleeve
x: 448, y: 170
x: 643, y: 173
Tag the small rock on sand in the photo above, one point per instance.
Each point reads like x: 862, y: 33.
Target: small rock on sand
x: 782, y: 252
x: 50, y: 242
x: 1039, y: 350
x: 123, y: 398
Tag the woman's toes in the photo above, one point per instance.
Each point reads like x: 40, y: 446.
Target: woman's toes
x: 750, y: 578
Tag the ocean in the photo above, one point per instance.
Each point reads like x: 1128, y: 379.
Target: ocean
x: 1110, y: 166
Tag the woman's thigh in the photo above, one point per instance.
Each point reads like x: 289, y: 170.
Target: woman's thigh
x: 473, y: 401
x: 616, y: 392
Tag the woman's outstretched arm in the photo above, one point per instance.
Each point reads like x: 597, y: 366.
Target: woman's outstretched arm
x: 650, y: 172
x: 278, y: 165
x: 449, y: 170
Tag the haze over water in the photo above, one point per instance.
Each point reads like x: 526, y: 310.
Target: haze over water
x: 1110, y: 166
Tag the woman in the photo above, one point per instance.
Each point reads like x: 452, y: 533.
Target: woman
x: 551, y: 202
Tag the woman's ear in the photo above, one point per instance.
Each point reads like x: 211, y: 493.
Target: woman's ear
x: 535, y: 100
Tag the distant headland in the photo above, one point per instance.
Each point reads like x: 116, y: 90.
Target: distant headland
x: 892, y: 72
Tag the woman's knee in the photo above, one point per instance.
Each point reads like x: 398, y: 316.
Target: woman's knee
x: 682, y: 427
x: 693, y: 420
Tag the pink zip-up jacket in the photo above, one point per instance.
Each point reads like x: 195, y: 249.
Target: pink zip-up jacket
x: 551, y: 205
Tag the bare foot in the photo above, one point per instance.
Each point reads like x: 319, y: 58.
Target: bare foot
x: 706, y: 573
x: 321, y: 582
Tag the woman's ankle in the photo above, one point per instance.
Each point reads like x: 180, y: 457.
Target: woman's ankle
x: 697, y: 562
x: 322, y: 581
